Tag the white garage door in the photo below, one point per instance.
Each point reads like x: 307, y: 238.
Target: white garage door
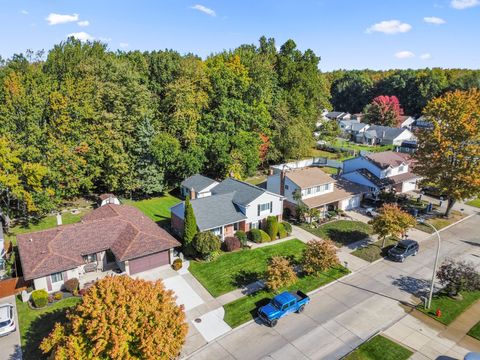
x: 351, y: 203
x: 408, y: 186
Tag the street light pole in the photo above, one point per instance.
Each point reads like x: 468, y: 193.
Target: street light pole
x: 434, y: 264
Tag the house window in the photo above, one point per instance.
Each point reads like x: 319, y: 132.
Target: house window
x: 236, y: 226
x: 57, y: 277
x: 401, y: 168
x: 327, y: 187
x: 90, y: 258
x: 318, y: 188
x: 286, y: 187
x: 217, y: 231
x: 254, y: 225
x: 309, y: 191
x: 264, y: 207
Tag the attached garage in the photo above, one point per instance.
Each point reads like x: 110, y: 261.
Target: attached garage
x: 351, y: 203
x: 409, y: 185
x: 148, y: 262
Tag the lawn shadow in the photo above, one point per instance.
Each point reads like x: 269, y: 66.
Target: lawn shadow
x: 38, y: 330
x: 244, y: 278
x: 414, y: 286
x: 343, y: 238
x: 259, y: 304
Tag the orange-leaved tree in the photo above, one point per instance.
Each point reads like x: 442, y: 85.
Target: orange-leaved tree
x: 392, y: 221
x: 120, y: 318
x: 280, y: 273
x: 319, y: 255
x: 448, y: 155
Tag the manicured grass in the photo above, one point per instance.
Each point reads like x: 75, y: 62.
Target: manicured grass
x: 474, y: 202
x: 244, y: 309
x: 475, y: 331
x: 156, y: 208
x: 380, y: 348
x: 440, y: 222
x: 37, y: 324
x: 358, y: 147
x: 329, y: 170
x: 374, y: 251
x: 341, y: 232
x: 233, y: 270
x: 256, y: 180
x: 47, y: 222
x: 450, y: 308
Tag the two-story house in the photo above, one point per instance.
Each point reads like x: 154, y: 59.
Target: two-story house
x: 386, y: 170
x: 231, y: 205
x: 197, y: 186
x: 314, y: 188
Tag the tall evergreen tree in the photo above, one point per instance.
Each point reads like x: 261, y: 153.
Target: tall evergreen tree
x: 189, y: 227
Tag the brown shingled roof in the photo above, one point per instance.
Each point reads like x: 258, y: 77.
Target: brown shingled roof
x: 106, y: 196
x: 123, y: 229
x: 385, y: 159
x: 308, y: 177
x: 343, y: 189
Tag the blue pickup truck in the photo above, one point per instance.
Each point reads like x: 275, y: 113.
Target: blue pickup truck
x: 281, y: 305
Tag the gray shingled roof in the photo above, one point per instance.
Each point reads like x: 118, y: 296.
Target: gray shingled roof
x: 357, y: 126
x: 378, y: 131
x: 197, y: 182
x: 334, y: 114
x: 243, y: 193
x: 213, y: 211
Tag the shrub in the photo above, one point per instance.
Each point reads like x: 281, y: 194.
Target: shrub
x: 271, y: 228
x: 177, y: 264
x: 39, y: 298
x: 287, y: 227
x: 458, y: 276
x: 265, y: 237
x: 232, y: 244
x: 71, y: 285
x: 281, y: 231
x: 50, y: 299
x: 279, y: 273
x: 319, y: 255
x: 255, y: 236
x: 58, y: 296
x: 205, y: 243
x: 242, y: 237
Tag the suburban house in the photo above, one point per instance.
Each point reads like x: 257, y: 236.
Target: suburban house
x: 111, y: 237
x: 406, y: 122
x: 337, y: 115
x: 346, y: 124
x: 316, y: 189
x: 231, y: 205
x: 197, y: 186
x: 423, y: 123
x: 385, y: 170
x: 383, y: 135
x: 105, y: 199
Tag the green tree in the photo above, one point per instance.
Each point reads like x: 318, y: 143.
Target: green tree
x: 206, y: 244
x: 392, y: 221
x: 190, y: 229
x: 351, y: 92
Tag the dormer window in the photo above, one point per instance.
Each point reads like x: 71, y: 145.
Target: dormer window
x: 401, y: 168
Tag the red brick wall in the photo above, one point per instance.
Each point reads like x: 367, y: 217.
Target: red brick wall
x: 229, y: 231
x: 177, y: 224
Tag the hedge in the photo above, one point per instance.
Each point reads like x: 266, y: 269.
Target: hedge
x: 288, y: 227
x: 40, y: 298
x: 258, y: 236
x: 242, y: 236
x: 281, y: 231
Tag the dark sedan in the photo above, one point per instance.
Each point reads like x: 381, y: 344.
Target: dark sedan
x: 403, y: 249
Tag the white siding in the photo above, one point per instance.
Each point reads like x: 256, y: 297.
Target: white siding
x: 273, y: 185
x: 252, y: 210
x: 314, y: 192
x: 406, y: 135
x: 394, y: 171
x: 350, y: 203
x: 41, y: 283
x: 110, y: 200
x: 360, y: 163
x: 409, y: 185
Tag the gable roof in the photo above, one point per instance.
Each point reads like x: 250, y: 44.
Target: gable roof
x: 123, y: 229
x: 308, y: 177
x: 387, y: 181
x: 197, y: 182
x: 343, y: 189
x: 334, y: 114
x: 386, y: 159
x: 106, y: 196
x: 384, y: 132
x: 243, y: 193
x: 357, y: 126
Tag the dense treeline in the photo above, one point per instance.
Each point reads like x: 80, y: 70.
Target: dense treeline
x: 352, y: 90
x: 84, y: 119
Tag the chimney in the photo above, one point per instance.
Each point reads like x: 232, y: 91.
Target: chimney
x: 282, y: 182
x: 59, y: 219
x: 192, y: 194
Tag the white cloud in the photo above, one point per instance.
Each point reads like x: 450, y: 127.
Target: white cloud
x: 434, y: 20
x: 404, y: 54
x: 426, y: 56
x: 82, y: 36
x: 24, y: 12
x: 464, y: 4
x: 390, y: 27
x: 204, y: 10
x: 83, y: 23
x: 54, y: 19
x: 104, y: 39
x: 123, y: 45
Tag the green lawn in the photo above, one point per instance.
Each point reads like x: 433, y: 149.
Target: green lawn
x: 244, y: 309
x: 341, y: 232
x: 36, y: 324
x: 256, y: 180
x: 475, y: 331
x: 374, y: 251
x: 449, y: 307
x: 379, y: 348
x: 440, y: 222
x: 232, y: 270
x: 157, y: 208
x: 329, y: 170
x: 47, y: 222
x: 358, y: 147
x: 474, y: 202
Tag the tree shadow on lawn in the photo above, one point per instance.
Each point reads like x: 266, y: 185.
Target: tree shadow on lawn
x: 345, y: 237
x: 244, y: 278
x: 38, y: 330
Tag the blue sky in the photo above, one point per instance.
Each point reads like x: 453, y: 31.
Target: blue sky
x: 350, y: 34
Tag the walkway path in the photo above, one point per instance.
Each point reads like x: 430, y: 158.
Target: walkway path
x: 430, y: 339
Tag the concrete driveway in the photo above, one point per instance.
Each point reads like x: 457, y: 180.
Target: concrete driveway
x: 343, y: 315
x: 10, y: 344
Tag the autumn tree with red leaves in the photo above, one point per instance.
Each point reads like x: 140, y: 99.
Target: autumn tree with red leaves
x: 120, y: 318
x: 383, y: 110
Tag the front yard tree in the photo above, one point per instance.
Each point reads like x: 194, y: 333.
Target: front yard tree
x: 279, y: 274
x: 189, y: 228
x: 457, y: 276
x: 120, y: 318
x: 448, y: 155
x: 383, y: 110
x: 206, y: 243
x: 392, y: 221
x: 319, y: 255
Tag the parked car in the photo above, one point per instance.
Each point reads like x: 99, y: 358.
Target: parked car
x: 282, y: 305
x: 403, y: 249
x: 7, y: 319
x: 433, y: 191
x: 472, y: 356
x: 368, y: 202
x: 371, y: 212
